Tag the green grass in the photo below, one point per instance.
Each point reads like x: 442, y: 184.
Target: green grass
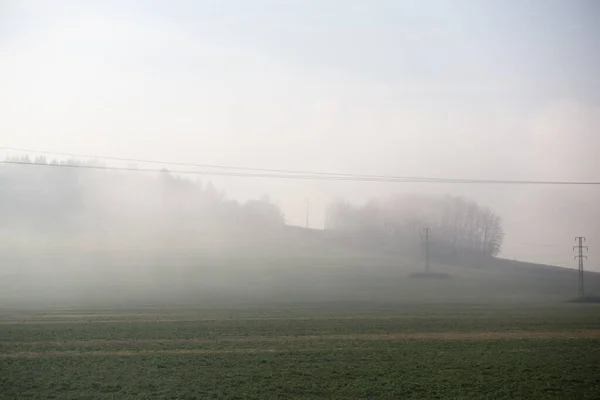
x: 413, y: 369
x: 114, y: 279
x: 335, y: 351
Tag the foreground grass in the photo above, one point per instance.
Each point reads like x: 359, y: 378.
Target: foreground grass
x: 407, y: 352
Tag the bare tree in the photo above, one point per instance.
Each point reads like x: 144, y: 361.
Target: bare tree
x: 458, y: 223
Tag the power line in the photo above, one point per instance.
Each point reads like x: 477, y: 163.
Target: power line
x: 352, y: 178
x: 215, y: 166
x: 285, y: 173
x: 234, y: 174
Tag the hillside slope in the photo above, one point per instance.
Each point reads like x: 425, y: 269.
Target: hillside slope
x: 285, y: 266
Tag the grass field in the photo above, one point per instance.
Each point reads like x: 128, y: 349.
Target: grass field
x: 338, y: 351
x: 321, y: 324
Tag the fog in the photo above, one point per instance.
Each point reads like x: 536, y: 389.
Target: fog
x: 462, y: 89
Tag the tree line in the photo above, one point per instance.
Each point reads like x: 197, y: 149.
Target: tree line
x: 51, y: 199
x: 456, y: 223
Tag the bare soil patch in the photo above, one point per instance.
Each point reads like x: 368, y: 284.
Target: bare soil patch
x: 129, y: 353
x: 580, y: 334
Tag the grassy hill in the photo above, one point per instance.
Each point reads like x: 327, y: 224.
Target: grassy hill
x: 287, y: 266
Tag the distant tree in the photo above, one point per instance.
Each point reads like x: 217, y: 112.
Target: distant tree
x: 457, y: 222
x: 262, y: 211
x: 52, y: 198
x: 340, y: 215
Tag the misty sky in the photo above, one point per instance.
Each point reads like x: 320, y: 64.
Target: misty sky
x: 473, y: 89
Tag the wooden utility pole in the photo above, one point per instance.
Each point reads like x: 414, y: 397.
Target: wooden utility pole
x: 307, y: 213
x: 426, y: 248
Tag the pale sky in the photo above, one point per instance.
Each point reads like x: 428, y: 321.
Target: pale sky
x: 472, y: 89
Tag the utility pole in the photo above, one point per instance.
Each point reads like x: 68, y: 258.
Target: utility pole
x: 426, y: 238
x: 580, y: 247
x: 307, y: 212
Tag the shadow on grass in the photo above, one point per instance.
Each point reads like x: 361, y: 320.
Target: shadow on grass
x: 430, y: 275
x: 586, y: 299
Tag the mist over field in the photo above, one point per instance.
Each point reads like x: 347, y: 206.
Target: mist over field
x: 76, y: 234
x: 468, y: 90
x: 285, y: 199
